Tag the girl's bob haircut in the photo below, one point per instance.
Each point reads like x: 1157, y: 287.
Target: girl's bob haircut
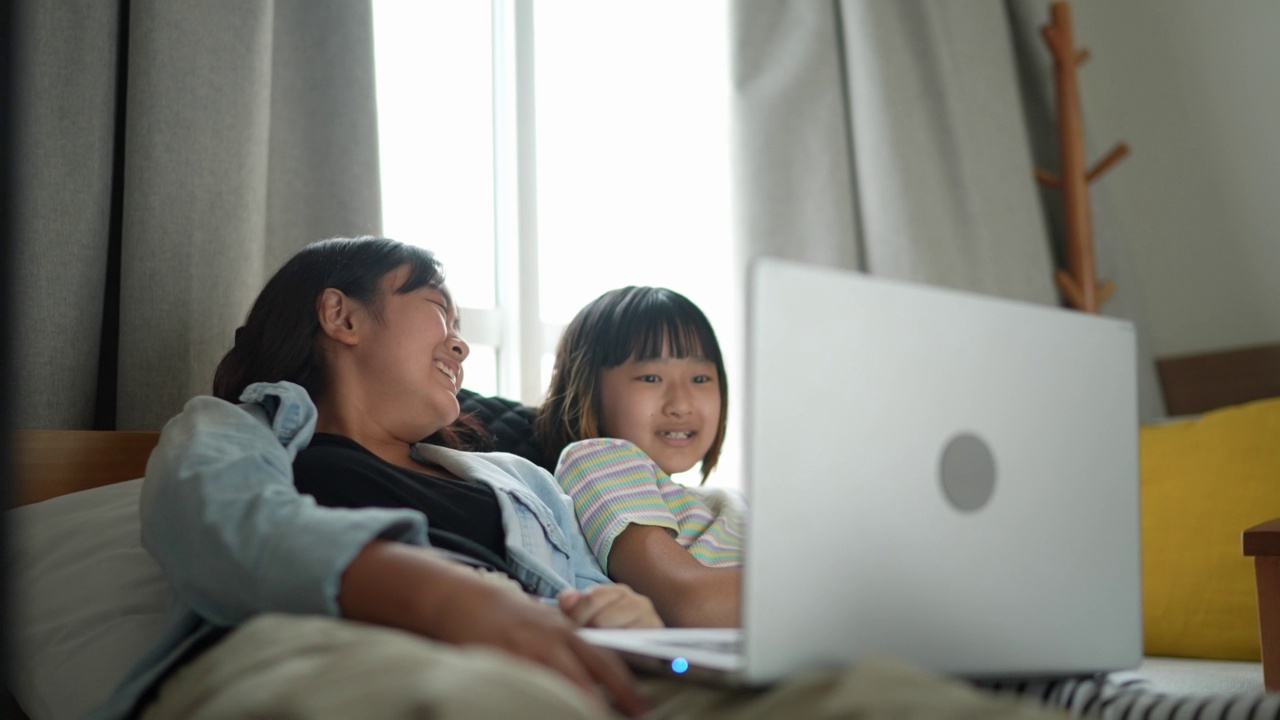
x: 628, y: 323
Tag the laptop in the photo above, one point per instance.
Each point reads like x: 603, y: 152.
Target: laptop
x: 938, y: 476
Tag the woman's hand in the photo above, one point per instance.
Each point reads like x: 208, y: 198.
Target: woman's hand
x: 609, y: 606
x: 413, y: 589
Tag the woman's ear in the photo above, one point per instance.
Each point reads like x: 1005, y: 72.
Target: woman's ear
x: 337, y: 315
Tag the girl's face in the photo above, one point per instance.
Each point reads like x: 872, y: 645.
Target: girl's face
x: 413, y: 358
x: 669, y: 407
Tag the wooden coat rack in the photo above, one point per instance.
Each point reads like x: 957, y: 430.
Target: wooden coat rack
x: 1078, y: 282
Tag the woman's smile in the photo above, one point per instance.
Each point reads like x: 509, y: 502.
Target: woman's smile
x: 449, y: 371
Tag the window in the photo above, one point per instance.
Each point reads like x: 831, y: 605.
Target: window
x: 551, y: 151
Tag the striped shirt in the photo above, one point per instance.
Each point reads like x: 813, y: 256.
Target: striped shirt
x: 614, y: 484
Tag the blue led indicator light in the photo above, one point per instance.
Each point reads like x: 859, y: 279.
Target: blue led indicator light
x: 679, y: 665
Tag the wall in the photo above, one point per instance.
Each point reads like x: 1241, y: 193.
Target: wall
x: 1192, y: 87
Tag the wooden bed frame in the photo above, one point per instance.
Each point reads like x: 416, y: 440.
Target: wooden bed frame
x: 49, y: 463
x: 1198, y: 383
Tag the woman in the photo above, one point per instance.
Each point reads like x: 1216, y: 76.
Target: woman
x: 441, y: 543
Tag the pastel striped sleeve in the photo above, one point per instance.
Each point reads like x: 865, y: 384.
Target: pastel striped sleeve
x: 720, y: 543
x: 613, y: 484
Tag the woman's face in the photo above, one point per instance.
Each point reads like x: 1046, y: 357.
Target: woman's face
x: 412, y: 360
x: 669, y: 407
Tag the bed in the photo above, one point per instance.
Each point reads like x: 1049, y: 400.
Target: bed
x: 76, y: 537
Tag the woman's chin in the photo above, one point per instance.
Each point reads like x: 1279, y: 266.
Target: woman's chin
x: 447, y: 409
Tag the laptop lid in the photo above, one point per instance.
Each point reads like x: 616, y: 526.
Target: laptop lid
x: 947, y: 478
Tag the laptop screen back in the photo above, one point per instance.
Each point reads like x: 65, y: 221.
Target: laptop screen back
x: 946, y: 478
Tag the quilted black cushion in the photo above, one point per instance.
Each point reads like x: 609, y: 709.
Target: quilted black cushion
x: 508, y: 423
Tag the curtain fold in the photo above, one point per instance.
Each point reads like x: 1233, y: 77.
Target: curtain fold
x: 947, y: 194
x: 63, y: 130
x: 925, y: 110
x: 249, y: 130
x: 792, y: 161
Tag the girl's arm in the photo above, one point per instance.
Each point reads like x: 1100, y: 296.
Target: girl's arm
x: 630, y: 527
x: 685, y: 592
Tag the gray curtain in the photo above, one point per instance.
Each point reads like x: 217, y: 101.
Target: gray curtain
x: 890, y: 136
x: 169, y: 156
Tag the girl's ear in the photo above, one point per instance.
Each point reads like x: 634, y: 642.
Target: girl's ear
x: 337, y: 315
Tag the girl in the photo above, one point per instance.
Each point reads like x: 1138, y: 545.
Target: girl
x: 638, y: 393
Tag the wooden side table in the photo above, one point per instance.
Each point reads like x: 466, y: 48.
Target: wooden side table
x: 1262, y: 543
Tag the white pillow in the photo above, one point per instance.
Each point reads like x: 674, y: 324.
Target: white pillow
x: 89, y: 601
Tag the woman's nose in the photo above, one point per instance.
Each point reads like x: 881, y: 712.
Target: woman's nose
x: 459, y: 347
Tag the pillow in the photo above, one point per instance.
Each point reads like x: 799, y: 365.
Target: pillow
x: 88, y: 600
x: 1205, y: 481
x: 508, y: 423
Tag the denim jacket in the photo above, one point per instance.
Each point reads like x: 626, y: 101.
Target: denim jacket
x: 234, y: 537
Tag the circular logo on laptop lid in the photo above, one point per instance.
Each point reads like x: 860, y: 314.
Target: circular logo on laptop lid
x: 967, y: 471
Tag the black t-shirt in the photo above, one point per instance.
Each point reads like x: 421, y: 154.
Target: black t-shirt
x: 461, y: 516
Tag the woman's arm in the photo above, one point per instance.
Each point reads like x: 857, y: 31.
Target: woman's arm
x: 234, y: 537
x: 410, y: 588
x: 685, y: 592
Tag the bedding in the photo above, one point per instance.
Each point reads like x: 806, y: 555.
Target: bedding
x: 86, y: 546
x: 91, y: 600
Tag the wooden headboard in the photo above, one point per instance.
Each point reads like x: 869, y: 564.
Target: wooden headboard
x: 1194, y: 384
x: 49, y: 463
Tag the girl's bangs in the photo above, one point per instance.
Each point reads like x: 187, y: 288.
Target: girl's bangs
x: 660, y: 327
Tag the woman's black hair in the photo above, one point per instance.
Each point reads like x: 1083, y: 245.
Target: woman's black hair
x: 624, y: 324
x: 278, y: 339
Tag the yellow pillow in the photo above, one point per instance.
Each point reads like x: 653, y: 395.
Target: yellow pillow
x: 1204, y: 481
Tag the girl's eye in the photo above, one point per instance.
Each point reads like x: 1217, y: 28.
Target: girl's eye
x: 702, y: 379
x: 649, y: 378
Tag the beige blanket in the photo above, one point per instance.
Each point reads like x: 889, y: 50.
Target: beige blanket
x: 279, y: 666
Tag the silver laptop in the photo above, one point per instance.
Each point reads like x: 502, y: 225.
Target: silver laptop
x: 942, y: 477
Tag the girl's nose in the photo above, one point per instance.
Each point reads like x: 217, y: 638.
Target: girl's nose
x: 678, y: 404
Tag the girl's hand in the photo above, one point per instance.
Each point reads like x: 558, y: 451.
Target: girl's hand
x: 609, y: 606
